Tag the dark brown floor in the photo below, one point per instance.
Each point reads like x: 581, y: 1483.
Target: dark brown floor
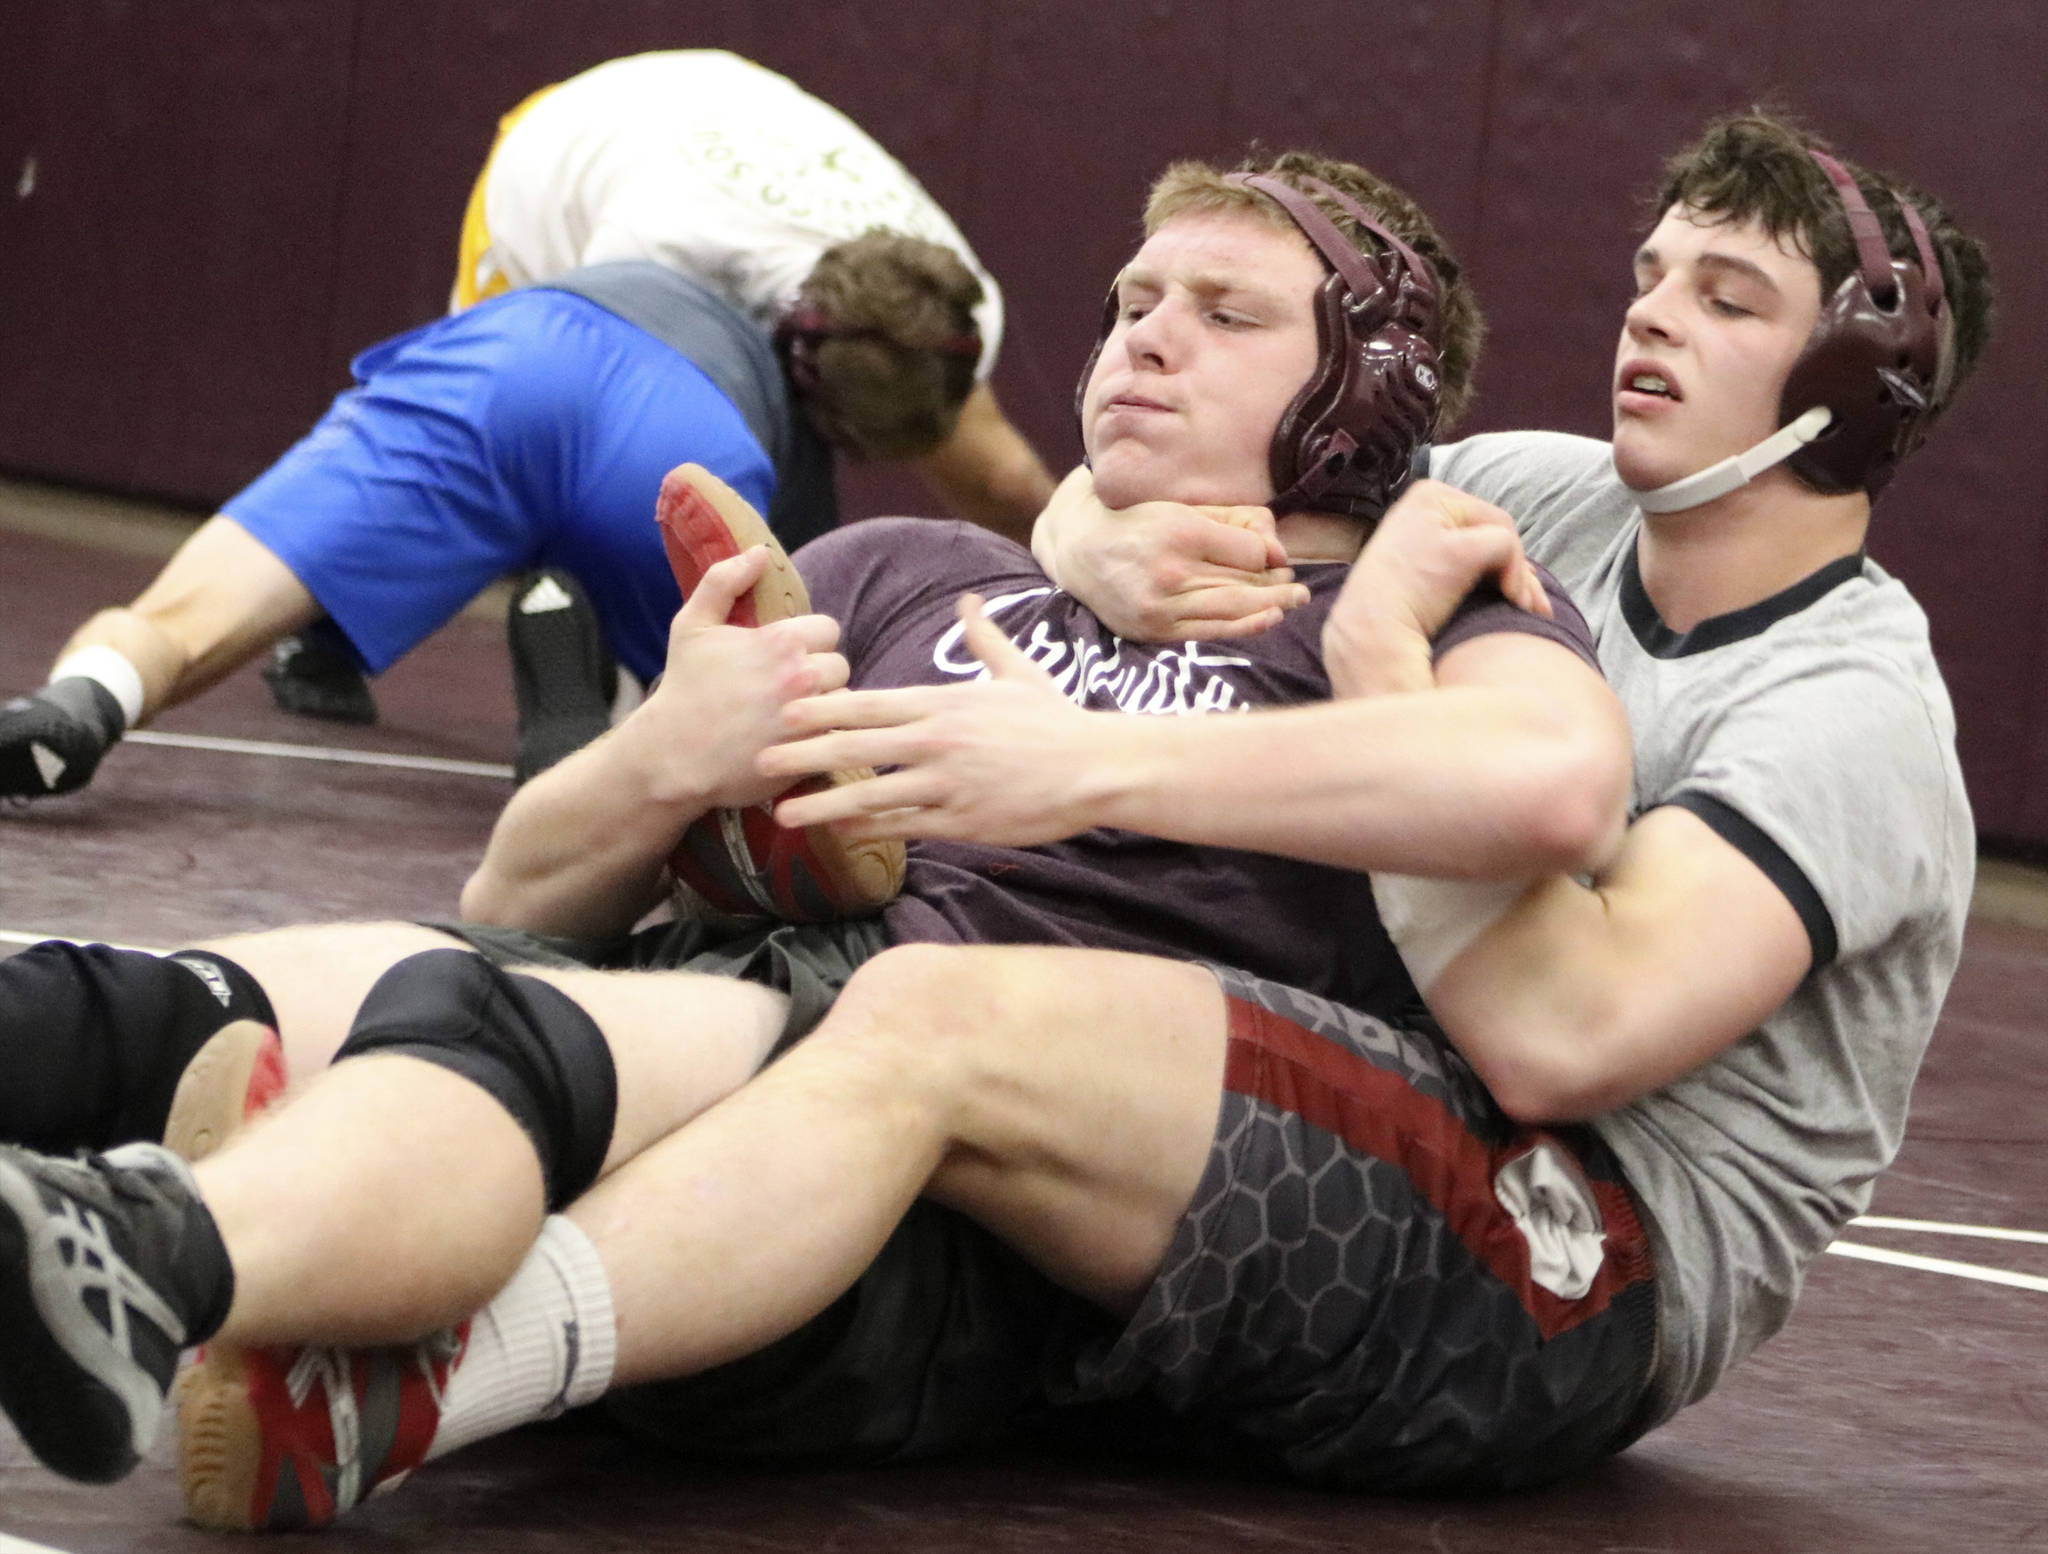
x: 1901, y: 1410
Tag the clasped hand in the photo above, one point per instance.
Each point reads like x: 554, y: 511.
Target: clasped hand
x: 1162, y: 572
x: 1429, y: 550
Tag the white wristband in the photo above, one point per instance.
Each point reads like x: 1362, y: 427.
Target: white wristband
x: 104, y: 666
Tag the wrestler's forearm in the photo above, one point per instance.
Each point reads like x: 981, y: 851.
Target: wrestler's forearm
x: 580, y: 850
x: 1518, y: 766
x: 1582, y: 997
x: 1469, y: 781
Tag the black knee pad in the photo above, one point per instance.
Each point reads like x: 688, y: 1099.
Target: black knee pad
x: 525, y: 1043
x: 94, y: 1039
x: 238, y: 994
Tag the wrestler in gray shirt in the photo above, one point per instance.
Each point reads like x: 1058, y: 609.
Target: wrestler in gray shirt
x: 1812, y: 732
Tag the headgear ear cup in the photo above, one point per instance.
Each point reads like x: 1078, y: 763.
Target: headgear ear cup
x: 1877, y: 357
x: 1858, y: 398
x: 1346, y: 444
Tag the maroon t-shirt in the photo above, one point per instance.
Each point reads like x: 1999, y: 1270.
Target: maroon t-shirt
x: 891, y: 583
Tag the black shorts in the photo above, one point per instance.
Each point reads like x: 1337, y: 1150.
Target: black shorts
x: 939, y: 1346
x: 1383, y: 1282
x: 1347, y: 1301
x: 810, y: 962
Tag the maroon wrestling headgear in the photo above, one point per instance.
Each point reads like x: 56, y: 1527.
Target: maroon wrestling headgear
x: 806, y: 327
x: 1347, y: 442
x: 1878, y: 359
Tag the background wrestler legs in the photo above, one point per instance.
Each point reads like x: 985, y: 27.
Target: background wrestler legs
x: 178, y: 634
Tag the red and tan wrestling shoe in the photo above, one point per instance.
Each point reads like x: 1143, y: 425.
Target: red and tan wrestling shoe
x: 238, y: 1073
x: 741, y: 862
x: 276, y: 1439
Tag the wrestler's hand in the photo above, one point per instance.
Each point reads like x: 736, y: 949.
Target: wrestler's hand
x: 1162, y: 572
x: 1007, y: 759
x: 722, y: 692
x: 1428, y: 552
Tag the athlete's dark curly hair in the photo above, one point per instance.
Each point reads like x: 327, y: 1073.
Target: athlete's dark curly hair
x: 1754, y: 166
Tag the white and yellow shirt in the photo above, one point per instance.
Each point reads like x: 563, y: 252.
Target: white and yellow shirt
x: 699, y: 160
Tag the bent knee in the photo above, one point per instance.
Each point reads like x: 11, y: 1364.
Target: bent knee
x: 919, y: 1018
x: 917, y: 973
x: 923, y: 994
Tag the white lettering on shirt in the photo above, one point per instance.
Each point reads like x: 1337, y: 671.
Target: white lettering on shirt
x: 1176, y: 680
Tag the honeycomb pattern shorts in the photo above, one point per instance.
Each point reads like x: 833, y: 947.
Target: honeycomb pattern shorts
x: 1383, y: 1282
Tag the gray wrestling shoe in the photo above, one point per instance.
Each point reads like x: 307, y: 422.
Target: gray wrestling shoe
x: 51, y: 742
x: 110, y: 1267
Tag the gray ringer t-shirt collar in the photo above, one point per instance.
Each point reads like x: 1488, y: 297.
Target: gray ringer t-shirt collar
x: 1660, y: 641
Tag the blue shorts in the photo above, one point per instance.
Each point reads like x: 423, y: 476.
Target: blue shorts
x: 532, y: 430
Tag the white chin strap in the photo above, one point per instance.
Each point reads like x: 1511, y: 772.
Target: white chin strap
x: 1719, y: 479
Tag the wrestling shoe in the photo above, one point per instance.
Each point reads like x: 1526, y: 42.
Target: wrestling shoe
x: 563, y: 676
x: 283, y: 1438
x: 314, y: 673
x: 237, y: 1074
x: 110, y: 1267
x: 741, y: 862
x: 279, y: 1439
x: 51, y: 742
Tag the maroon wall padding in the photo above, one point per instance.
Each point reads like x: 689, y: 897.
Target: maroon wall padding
x: 231, y: 197
x: 1966, y: 523
x: 1582, y: 104
x: 169, y: 181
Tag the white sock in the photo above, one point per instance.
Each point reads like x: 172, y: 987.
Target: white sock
x: 546, y: 1344
x: 122, y: 679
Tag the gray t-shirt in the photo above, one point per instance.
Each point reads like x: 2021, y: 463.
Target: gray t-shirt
x: 1812, y: 732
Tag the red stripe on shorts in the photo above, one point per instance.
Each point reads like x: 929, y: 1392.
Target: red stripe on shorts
x: 1380, y: 1114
